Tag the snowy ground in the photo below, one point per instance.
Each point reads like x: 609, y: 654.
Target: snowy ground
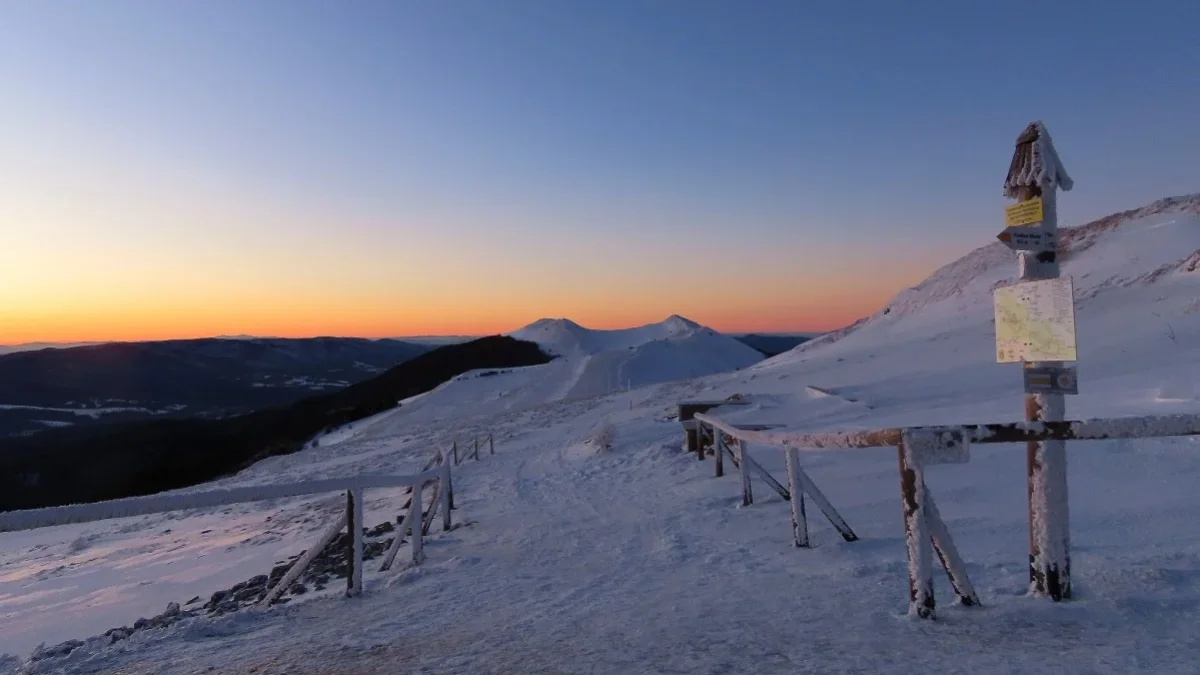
x: 639, y: 561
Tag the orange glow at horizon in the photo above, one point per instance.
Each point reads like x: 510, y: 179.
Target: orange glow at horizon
x: 175, y: 313
x: 92, y: 270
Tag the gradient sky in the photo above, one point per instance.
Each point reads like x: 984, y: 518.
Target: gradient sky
x: 185, y: 167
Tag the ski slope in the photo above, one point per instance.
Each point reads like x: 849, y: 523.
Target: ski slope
x: 639, y: 561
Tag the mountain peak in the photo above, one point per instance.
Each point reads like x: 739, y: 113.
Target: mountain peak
x: 677, y: 321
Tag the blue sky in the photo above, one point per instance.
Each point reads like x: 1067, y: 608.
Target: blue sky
x: 325, y: 144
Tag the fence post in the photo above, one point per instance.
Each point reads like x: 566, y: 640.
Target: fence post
x: 718, y: 441
x: 744, y: 466
x: 916, y: 536
x: 691, y: 436
x: 447, y: 501
x: 476, y: 448
x: 454, y: 449
x: 354, y: 520
x: 491, y: 444
x: 1036, y: 171
x: 799, y: 520
x: 415, y: 522
x: 449, y: 487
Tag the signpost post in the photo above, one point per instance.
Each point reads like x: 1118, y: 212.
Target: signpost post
x: 1037, y: 322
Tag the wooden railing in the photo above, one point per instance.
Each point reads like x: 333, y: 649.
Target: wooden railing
x: 473, y: 451
x: 414, y: 523
x: 917, y: 448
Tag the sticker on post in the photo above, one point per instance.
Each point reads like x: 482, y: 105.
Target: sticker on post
x: 937, y: 446
x: 1051, y: 380
x: 1027, y: 212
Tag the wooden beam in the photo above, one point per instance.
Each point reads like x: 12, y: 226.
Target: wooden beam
x: 744, y: 466
x: 354, y: 542
x: 947, y: 553
x: 719, y: 461
x: 417, y: 526
x: 916, y: 536
x: 766, y: 476
x: 302, y: 564
x: 1155, y: 426
x: 835, y: 518
x: 799, y: 520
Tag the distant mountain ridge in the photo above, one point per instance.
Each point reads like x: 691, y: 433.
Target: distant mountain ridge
x: 208, y: 376
x: 119, y: 460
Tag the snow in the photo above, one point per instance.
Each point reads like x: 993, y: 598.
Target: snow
x: 1042, y: 167
x: 639, y: 560
x: 603, y: 361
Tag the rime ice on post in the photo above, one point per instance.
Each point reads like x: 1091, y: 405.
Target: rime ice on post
x: 916, y: 535
x: 1037, y: 172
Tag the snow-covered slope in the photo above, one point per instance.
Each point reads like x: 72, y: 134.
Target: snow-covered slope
x: 590, y: 363
x: 603, y: 361
x: 567, y: 338
x: 638, y: 560
x: 1152, y: 246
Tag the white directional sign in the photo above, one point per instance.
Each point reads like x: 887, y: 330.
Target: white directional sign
x: 1028, y: 238
x: 1035, y: 321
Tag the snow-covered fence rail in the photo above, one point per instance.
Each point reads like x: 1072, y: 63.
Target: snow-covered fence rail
x: 13, y: 521
x: 917, y: 448
x: 437, y: 473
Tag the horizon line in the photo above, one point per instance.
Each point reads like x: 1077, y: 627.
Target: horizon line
x: 431, y: 336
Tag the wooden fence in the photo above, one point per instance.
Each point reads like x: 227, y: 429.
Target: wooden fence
x: 925, y: 532
x: 473, y: 450
x: 414, y: 522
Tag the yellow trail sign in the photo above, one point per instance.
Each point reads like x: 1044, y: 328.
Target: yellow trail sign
x: 1027, y: 212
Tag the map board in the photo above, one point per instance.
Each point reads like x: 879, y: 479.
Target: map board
x: 1035, y: 321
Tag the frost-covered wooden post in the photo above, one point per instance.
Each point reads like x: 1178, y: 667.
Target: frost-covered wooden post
x: 744, y: 467
x: 415, y: 523
x: 718, y: 441
x: 799, y: 520
x: 916, y: 535
x: 1037, y: 172
x: 449, y: 488
x: 354, y: 528
x: 445, y: 494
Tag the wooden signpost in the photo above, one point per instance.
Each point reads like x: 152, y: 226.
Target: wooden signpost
x: 1032, y: 321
